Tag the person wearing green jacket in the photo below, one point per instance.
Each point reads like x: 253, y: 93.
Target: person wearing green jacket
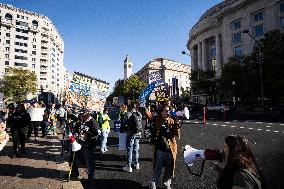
x: 105, y: 130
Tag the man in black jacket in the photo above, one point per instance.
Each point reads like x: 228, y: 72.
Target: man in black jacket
x: 88, y: 135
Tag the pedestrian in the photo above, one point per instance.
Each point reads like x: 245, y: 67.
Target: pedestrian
x: 51, y: 119
x: 4, y: 137
x: 88, y: 139
x: 241, y: 170
x: 121, y: 116
x: 20, y: 121
x: 105, y: 131
x: 133, y: 129
x: 36, y: 115
x: 165, y: 152
x: 61, y: 115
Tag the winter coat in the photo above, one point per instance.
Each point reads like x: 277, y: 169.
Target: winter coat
x: 174, y: 132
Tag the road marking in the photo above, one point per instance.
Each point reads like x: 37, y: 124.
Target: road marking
x: 233, y: 126
x: 211, y: 118
x: 267, y: 126
x: 250, y: 128
x: 259, y: 129
x: 281, y: 124
x: 270, y: 123
x: 259, y: 122
x: 224, y: 125
x: 196, y: 122
x: 241, y: 127
x: 227, y: 122
x: 235, y: 120
x: 276, y: 131
x: 268, y: 130
x: 215, y: 124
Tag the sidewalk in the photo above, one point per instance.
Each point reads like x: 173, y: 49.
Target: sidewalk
x: 40, y: 167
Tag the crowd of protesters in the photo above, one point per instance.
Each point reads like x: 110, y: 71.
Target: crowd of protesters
x: 91, y: 129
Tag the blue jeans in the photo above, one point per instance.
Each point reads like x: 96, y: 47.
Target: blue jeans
x: 132, y: 145
x: 162, y: 159
x: 104, y: 135
x: 88, y: 155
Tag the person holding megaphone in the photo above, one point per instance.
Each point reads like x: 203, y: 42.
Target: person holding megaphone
x: 240, y: 170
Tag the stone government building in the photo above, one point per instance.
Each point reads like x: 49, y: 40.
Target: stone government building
x: 218, y: 34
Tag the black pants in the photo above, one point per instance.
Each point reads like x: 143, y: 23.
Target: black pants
x: 34, y: 125
x: 19, y: 136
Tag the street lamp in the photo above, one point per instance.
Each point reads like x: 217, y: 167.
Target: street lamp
x: 260, y: 66
x: 234, y: 97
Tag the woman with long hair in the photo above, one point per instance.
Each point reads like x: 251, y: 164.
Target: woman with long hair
x: 241, y: 170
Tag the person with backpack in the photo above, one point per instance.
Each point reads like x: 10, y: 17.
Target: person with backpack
x: 133, y: 129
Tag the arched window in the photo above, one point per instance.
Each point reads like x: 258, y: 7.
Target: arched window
x: 8, y: 17
x: 35, y: 23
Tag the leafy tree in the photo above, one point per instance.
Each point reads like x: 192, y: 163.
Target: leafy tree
x: 132, y: 87
x: 117, y: 91
x: 17, y: 83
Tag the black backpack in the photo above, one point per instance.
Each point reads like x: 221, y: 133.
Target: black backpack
x: 135, y: 123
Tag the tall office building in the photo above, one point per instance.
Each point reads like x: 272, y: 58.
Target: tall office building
x: 31, y: 41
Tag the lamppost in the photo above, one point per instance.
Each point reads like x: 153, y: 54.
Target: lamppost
x: 234, y: 97
x: 260, y: 65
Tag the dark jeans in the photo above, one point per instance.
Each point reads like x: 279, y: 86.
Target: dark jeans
x: 19, y: 136
x: 44, y: 126
x: 84, y: 156
x: 34, y: 125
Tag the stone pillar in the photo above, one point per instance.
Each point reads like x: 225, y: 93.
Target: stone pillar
x: 218, y: 55
x: 204, y: 56
x: 199, y: 56
x: 194, y: 63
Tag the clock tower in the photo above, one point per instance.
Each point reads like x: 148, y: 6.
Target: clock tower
x: 127, y: 67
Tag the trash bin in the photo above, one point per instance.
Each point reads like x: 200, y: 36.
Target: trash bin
x: 116, y: 127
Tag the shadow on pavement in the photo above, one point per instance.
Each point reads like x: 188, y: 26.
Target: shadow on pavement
x: 28, y: 172
x: 113, y: 184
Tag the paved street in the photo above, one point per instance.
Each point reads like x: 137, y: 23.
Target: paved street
x: 41, y: 167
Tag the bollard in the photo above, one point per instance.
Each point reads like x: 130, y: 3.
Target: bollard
x: 224, y: 114
x: 204, y: 115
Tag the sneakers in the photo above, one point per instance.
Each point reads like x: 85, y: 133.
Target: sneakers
x: 136, y: 166
x: 127, y: 169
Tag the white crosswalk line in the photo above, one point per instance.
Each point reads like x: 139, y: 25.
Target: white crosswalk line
x: 276, y: 131
x: 241, y: 127
x: 259, y: 122
x: 215, y: 124
x: 270, y: 123
x: 227, y: 122
x: 233, y: 126
x: 268, y: 126
x: 224, y: 125
x: 259, y: 129
x: 268, y: 130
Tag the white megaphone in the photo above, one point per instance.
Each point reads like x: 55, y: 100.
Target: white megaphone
x: 4, y: 139
x: 192, y: 155
x: 75, y: 145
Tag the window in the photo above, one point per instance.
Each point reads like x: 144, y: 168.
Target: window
x: 33, y: 65
x: 258, y: 30
x: 238, y: 51
x: 34, y: 39
x: 282, y: 7
x: 33, y: 59
x: 6, y: 55
x: 236, y: 25
x: 6, y: 63
x: 18, y: 16
x: 258, y: 17
x: 213, y: 52
x: 237, y: 38
x: 6, y: 70
x: 282, y: 22
x: 21, y: 64
x: 7, y: 48
x: 7, y: 34
x: 34, y: 46
x: 34, y: 52
x: 7, y: 41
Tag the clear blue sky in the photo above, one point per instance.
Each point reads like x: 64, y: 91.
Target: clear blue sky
x: 98, y: 34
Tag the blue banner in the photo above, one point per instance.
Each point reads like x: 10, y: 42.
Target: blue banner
x: 146, y: 92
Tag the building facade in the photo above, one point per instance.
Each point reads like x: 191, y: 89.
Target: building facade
x: 218, y: 35
x: 31, y: 41
x: 170, y: 71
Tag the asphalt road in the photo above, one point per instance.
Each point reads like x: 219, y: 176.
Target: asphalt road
x: 266, y: 140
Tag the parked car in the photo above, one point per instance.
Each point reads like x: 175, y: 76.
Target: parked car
x: 217, y: 107
x: 195, y: 107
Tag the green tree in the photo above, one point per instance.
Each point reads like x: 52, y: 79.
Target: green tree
x: 117, y: 91
x: 17, y: 83
x: 132, y: 87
